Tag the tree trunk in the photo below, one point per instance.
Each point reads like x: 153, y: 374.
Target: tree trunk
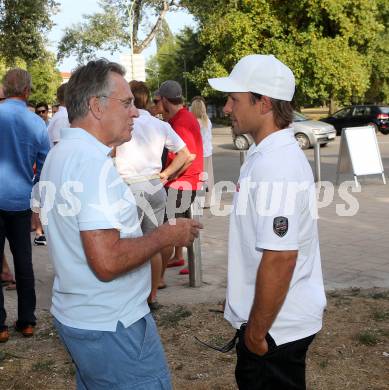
x: 331, y: 106
x: 140, y: 46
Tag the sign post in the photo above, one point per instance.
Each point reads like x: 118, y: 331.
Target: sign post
x: 194, y: 250
x: 316, y: 147
x: 359, y: 153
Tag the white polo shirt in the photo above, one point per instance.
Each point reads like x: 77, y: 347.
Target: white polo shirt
x: 274, y: 209
x: 89, y: 195
x: 141, y: 156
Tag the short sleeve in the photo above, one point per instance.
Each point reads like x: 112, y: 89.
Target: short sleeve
x: 103, y: 198
x: 174, y: 142
x: 43, y: 150
x: 278, y: 208
x: 188, y: 136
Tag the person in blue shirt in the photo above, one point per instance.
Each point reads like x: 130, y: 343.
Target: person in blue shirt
x: 23, y: 142
x: 7, y: 279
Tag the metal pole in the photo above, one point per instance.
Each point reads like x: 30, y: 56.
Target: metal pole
x: 194, y: 251
x: 242, y: 156
x: 317, y: 162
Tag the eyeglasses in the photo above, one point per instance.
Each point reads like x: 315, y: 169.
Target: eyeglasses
x: 156, y: 101
x: 39, y: 112
x: 127, y: 103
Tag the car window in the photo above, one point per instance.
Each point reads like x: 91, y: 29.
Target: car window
x: 342, y: 113
x: 297, y: 117
x: 362, y: 111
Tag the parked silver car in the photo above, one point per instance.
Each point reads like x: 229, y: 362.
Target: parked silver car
x: 306, y: 131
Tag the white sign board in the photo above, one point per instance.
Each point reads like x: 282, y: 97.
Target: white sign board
x: 135, y: 66
x: 359, y: 152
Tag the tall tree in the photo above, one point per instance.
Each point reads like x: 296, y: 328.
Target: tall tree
x: 23, y: 25
x: 175, y: 59
x: 329, y: 44
x: 378, y: 91
x: 163, y: 35
x: 118, y: 24
x: 46, y: 78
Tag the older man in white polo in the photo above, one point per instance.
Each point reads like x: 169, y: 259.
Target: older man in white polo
x: 101, y: 259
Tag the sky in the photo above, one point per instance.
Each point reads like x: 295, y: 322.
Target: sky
x: 71, y: 12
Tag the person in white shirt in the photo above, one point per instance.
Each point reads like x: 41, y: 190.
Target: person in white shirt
x: 60, y: 119
x: 199, y: 110
x: 275, y: 294
x: 100, y: 257
x: 139, y: 163
x: 54, y: 109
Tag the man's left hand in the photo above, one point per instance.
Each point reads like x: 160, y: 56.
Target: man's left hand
x: 254, y: 343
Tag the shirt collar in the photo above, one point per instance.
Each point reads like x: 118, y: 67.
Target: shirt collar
x: 273, y: 141
x: 143, y: 112
x: 18, y: 102
x: 78, y: 133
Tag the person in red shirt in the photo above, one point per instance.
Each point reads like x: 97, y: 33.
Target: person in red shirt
x: 182, y: 188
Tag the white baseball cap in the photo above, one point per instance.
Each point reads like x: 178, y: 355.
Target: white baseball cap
x: 262, y: 74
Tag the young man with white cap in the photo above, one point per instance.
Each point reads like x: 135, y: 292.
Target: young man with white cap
x: 275, y: 294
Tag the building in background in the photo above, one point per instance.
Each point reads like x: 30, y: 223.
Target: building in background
x: 135, y: 66
x: 65, y: 77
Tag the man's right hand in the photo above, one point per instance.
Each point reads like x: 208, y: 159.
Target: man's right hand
x: 183, y: 232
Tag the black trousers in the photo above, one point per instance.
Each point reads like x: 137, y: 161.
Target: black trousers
x: 281, y: 368
x: 16, y: 227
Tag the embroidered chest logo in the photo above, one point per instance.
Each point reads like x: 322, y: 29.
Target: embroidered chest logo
x: 280, y: 226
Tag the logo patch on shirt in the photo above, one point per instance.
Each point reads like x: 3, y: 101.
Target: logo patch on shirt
x: 280, y: 226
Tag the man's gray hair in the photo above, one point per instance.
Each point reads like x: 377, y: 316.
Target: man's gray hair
x: 87, y: 81
x: 16, y: 82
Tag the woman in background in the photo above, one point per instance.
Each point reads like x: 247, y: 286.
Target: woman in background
x: 200, y: 112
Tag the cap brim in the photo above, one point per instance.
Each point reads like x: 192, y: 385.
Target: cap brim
x: 226, y: 84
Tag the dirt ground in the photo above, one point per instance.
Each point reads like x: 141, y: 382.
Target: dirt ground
x: 351, y: 352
